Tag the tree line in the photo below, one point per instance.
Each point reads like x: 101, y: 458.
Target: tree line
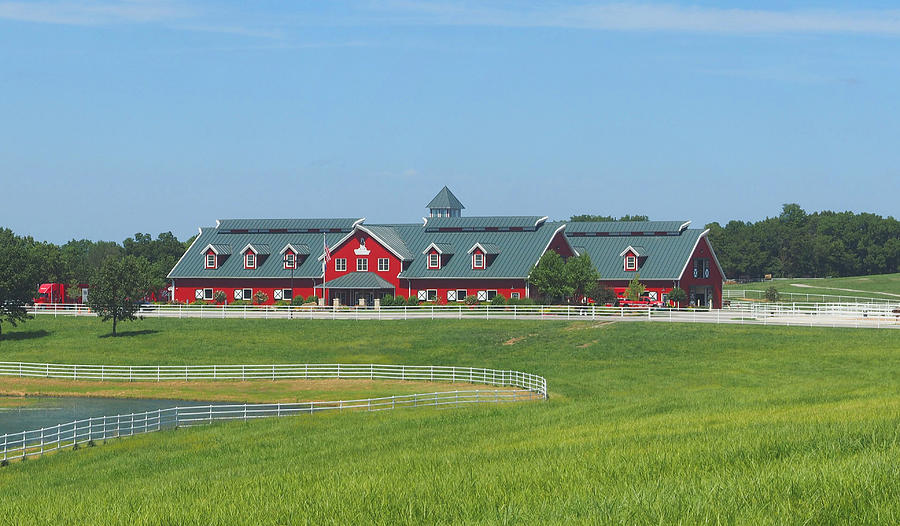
x: 119, y: 275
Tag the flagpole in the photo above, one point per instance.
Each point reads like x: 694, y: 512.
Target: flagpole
x: 324, y: 269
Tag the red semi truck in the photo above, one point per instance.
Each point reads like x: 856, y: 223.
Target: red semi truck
x: 56, y: 293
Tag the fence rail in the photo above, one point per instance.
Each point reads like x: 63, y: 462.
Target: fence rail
x: 872, y: 315
x: 525, y: 386
x: 805, y: 297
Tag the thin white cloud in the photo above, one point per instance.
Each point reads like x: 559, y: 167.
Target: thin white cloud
x: 645, y: 17
x: 92, y: 12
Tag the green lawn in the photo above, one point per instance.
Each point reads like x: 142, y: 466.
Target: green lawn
x: 646, y: 424
x: 870, y: 286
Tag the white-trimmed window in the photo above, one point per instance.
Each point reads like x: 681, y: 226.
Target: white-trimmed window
x: 431, y: 294
x: 290, y: 260
x: 207, y: 294
x: 434, y: 260
x: 249, y: 260
x: 630, y: 262
x: 491, y: 294
x: 340, y: 264
x: 210, y: 260
x: 362, y: 265
x: 384, y: 264
x: 248, y: 294
x: 461, y: 294
x: 287, y: 294
x: 514, y: 295
x: 477, y: 260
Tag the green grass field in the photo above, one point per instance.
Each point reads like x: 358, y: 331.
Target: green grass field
x: 865, y: 286
x: 646, y: 424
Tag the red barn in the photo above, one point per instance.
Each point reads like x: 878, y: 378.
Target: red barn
x: 443, y: 259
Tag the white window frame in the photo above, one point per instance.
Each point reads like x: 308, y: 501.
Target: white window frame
x: 464, y: 294
x: 248, y: 256
x: 481, y: 295
x: 477, y: 260
x: 451, y: 295
x: 277, y: 294
x: 340, y: 264
x: 287, y: 294
x: 515, y: 296
x: 208, y: 294
x: 238, y: 294
x: 198, y: 294
x: 213, y: 256
x: 491, y: 294
x: 431, y: 295
x: 293, y: 262
x: 422, y: 295
x: 434, y: 260
x: 362, y: 264
x: 631, y: 262
x: 248, y: 294
x: 386, y: 266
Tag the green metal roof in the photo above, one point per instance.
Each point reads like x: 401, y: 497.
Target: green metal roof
x: 445, y: 199
x: 625, y: 227
x: 359, y: 280
x: 301, y: 249
x: 443, y: 248
x: 290, y: 225
x: 666, y: 255
x: 501, y: 223
x: 261, y: 249
x: 389, y: 237
x: 517, y: 251
x: 490, y: 249
x: 192, y: 264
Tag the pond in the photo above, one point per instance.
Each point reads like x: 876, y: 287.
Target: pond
x: 25, y: 414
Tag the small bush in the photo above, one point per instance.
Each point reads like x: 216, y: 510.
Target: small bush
x: 498, y: 300
x: 282, y: 303
x: 297, y: 300
x: 677, y: 296
x: 199, y: 302
x: 412, y: 301
x: 312, y: 298
x: 387, y: 300
x: 219, y: 296
x: 238, y: 303
x: 601, y: 294
x: 260, y: 297
x: 772, y: 294
x: 521, y: 301
x: 471, y: 299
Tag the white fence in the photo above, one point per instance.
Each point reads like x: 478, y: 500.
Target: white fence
x: 525, y: 386
x: 806, y: 297
x: 875, y: 315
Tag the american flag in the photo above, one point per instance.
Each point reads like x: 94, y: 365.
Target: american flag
x: 327, y: 250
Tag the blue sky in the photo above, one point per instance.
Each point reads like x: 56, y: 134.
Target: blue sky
x: 119, y: 117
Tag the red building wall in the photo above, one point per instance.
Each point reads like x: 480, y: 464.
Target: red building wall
x: 185, y: 287
x: 715, y: 278
x: 376, y: 251
x: 503, y: 286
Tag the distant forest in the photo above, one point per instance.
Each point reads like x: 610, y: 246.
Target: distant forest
x: 801, y: 244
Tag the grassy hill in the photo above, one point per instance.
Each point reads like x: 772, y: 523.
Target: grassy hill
x: 862, y: 286
x: 658, y: 423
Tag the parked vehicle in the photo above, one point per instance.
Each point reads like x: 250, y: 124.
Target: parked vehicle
x: 644, y: 301
x: 56, y: 293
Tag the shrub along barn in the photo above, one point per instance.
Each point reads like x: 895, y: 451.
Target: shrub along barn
x: 443, y: 259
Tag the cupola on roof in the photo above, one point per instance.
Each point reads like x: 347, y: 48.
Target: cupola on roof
x: 445, y: 204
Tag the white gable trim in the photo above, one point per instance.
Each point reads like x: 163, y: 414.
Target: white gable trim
x: 291, y: 247
x: 685, y: 225
x: 209, y: 247
x: 694, y: 249
x: 559, y: 229
x: 435, y: 247
x: 250, y: 246
x: 373, y: 236
x: 186, y: 252
x: 630, y: 249
x: 479, y: 247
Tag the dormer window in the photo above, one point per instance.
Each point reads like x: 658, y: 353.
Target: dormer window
x: 630, y: 262
x: 434, y: 260
x: 290, y: 260
x: 249, y: 260
x: 210, y: 260
x: 477, y: 260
